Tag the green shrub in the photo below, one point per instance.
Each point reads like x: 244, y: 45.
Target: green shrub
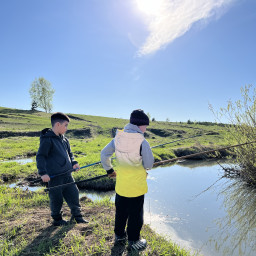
x: 241, y: 116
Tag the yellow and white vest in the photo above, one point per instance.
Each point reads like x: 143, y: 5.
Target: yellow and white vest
x: 131, y: 175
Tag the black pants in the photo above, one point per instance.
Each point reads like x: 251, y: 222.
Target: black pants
x: 129, y: 209
x: 70, y: 193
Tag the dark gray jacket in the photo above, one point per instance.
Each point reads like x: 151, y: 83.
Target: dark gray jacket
x: 54, y: 155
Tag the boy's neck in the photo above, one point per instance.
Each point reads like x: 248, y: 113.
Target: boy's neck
x: 55, y: 131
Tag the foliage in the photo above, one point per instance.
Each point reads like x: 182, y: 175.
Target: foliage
x: 241, y: 116
x: 149, y: 116
x: 34, y: 105
x: 41, y: 92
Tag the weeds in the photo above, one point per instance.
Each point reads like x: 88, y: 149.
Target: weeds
x: 30, y: 232
x: 242, y: 118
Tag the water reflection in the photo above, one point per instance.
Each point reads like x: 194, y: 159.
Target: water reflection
x: 195, y: 163
x: 22, y: 186
x: 237, y: 229
x: 95, y: 195
x: 218, y: 221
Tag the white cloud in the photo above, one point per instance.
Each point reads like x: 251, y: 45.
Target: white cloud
x: 167, y: 20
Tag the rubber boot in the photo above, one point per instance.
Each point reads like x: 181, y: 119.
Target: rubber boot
x: 58, y: 221
x: 78, y: 219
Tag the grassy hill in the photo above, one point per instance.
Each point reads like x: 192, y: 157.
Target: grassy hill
x: 20, y: 130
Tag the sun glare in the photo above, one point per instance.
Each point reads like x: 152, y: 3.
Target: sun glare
x: 149, y: 7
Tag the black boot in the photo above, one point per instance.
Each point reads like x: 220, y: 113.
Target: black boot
x: 58, y: 221
x: 120, y: 240
x: 78, y: 219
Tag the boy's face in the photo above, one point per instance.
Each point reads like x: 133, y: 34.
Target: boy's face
x: 143, y: 128
x: 62, y: 127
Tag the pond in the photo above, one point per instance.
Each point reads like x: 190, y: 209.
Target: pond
x: 191, y: 205
x: 19, y: 160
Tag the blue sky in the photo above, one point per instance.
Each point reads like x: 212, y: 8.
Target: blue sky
x: 171, y: 58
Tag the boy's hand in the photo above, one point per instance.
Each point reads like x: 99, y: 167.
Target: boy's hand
x: 45, y: 178
x: 112, y: 175
x: 76, y: 166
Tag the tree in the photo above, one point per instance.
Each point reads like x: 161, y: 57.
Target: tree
x: 34, y: 106
x: 168, y: 119
x: 149, y: 117
x: 41, y: 92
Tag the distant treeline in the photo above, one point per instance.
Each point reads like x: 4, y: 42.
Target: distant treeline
x: 207, y: 123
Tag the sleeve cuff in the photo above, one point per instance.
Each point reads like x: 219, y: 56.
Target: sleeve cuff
x: 110, y: 171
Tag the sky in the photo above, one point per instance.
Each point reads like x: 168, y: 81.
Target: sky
x: 171, y: 58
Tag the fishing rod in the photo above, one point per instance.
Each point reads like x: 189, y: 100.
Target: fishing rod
x: 200, y: 153
x: 69, y: 171
x: 77, y: 182
x: 72, y: 170
x: 198, y: 135
x: 156, y: 163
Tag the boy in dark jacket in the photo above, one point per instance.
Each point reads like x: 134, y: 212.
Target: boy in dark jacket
x: 54, y: 158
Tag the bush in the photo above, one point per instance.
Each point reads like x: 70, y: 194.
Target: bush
x: 241, y: 116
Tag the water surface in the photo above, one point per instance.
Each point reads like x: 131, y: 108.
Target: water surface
x: 192, y: 205
x: 19, y: 160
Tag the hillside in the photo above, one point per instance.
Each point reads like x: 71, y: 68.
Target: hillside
x: 20, y: 130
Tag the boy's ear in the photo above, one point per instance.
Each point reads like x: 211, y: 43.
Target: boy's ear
x: 56, y: 124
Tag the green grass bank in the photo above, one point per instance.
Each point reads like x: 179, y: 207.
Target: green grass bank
x: 25, y: 229
x: 20, y: 130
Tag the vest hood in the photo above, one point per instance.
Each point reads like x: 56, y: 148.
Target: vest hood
x: 131, y: 128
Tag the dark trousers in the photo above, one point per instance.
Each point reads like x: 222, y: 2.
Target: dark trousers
x: 70, y: 193
x: 129, y: 210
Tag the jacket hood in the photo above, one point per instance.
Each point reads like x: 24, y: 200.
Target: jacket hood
x: 47, y: 132
x: 132, y: 128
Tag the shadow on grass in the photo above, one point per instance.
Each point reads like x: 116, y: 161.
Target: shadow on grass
x: 47, y: 240
x: 120, y: 250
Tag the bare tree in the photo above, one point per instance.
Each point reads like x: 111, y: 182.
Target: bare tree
x: 41, y: 92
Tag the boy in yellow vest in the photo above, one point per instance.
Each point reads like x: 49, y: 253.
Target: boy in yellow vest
x: 134, y: 157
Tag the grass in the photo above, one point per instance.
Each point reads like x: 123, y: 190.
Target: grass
x: 25, y: 229
x: 19, y: 138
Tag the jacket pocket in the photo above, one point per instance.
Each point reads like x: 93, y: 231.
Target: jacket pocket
x: 61, y: 161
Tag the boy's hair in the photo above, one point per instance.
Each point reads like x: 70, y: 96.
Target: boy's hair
x: 58, y: 117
